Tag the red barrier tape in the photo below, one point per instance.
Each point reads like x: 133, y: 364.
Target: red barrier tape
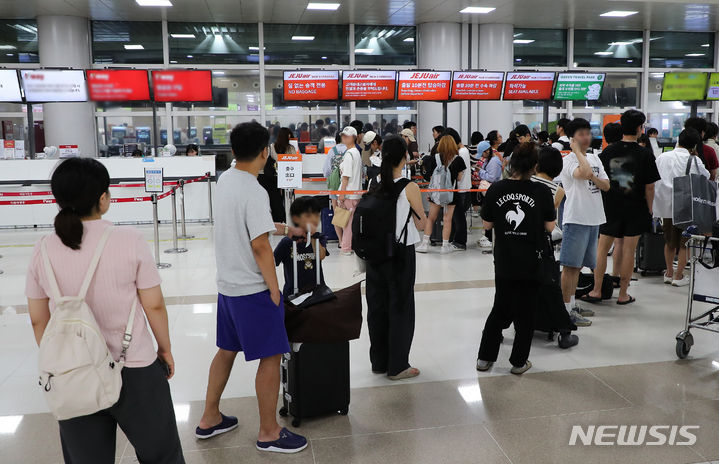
x: 25, y: 194
x: 359, y: 192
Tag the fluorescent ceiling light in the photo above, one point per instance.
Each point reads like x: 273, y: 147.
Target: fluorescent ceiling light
x: 706, y: 45
x: 190, y: 56
x: 182, y: 36
x: 134, y: 47
x: 7, y: 47
x: 604, y: 53
x: 218, y: 73
x: 364, y: 50
x: 303, y: 37
x: 322, y: 6
x: 324, y: 57
x: 256, y: 49
x: 619, y: 44
x: 477, y: 10
x: 523, y: 41
x: 694, y: 54
x: 618, y: 14
x: 173, y: 62
x: 154, y: 2
x: 409, y: 39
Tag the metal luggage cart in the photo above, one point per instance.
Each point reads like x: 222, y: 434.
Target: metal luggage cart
x: 708, y: 319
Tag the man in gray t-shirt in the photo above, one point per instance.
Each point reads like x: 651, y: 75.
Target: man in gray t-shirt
x: 250, y: 312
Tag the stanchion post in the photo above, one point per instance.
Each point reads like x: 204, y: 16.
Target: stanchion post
x: 209, y: 195
x: 175, y: 248
x: 184, y: 235
x: 157, y: 234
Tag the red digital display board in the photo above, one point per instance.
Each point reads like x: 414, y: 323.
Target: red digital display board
x: 473, y: 85
x: 311, y: 85
x: 368, y: 85
x: 424, y: 85
x: 118, y: 85
x: 182, y: 86
x: 528, y: 86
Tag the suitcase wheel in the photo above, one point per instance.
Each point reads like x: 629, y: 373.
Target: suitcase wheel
x: 296, y: 422
x: 283, y: 411
x: 343, y: 411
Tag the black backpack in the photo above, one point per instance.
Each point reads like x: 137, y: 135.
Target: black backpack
x: 427, y: 166
x: 373, y: 225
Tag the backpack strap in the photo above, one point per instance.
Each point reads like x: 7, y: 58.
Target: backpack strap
x: 93, y: 263
x: 127, y: 336
x: 54, y: 288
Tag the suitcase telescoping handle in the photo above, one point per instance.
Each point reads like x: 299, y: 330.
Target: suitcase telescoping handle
x: 317, y: 258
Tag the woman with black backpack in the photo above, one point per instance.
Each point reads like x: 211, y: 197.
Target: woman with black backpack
x: 390, y: 284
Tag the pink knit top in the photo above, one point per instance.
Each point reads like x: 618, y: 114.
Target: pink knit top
x: 126, y: 265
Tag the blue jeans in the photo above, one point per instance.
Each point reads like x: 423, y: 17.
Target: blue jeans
x: 579, y: 246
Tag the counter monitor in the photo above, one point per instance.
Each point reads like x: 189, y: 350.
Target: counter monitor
x: 310, y: 85
x: 182, y: 86
x: 368, y: 85
x: 54, y: 85
x: 684, y: 86
x: 424, y: 85
x: 474, y: 85
x: 118, y: 85
x: 9, y: 86
x: 528, y: 86
x: 579, y: 86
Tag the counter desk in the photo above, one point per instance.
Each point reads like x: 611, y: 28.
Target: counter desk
x: 24, y: 177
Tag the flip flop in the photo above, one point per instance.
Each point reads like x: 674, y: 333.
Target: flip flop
x: 405, y: 374
x: 590, y: 299
x: 630, y: 300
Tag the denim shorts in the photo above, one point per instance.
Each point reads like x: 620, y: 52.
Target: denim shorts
x: 253, y: 324
x: 579, y: 246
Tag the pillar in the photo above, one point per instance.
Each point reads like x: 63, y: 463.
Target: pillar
x: 64, y: 41
x: 439, y: 47
x: 496, y: 53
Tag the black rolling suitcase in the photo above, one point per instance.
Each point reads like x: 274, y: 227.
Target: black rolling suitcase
x: 316, y: 375
x: 650, y: 253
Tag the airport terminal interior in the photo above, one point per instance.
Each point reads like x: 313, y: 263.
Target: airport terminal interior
x: 154, y: 91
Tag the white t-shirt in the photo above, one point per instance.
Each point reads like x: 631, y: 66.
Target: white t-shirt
x: 584, y: 199
x: 466, y: 181
x: 242, y: 213
x: 403, y: 207
x: 351, y: 167
x: 670, y: 165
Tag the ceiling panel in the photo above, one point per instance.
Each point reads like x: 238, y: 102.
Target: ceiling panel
x: 686, y: 15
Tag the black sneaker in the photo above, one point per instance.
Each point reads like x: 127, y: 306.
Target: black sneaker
x: 459, y: 246
x: 287, y: 443
x: 228, y: 423
x: 568, y: 340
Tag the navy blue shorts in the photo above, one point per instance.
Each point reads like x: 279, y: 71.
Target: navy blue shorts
x: 252, y: 324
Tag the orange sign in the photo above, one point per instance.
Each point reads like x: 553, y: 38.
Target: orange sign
x: 292, y: 157
x: 608, y: 118
x: 311, y: 85
x: 424, y: 85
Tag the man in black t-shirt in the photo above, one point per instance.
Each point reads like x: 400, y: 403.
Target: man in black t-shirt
x: 632, y: 172
x: 519, y: 211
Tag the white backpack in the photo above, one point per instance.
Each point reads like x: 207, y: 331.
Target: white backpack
x: 77, y: 371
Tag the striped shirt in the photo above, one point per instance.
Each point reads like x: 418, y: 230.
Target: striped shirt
x: 553, y: 186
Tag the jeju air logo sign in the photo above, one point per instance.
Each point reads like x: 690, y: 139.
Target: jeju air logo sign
x: 477, y: 85
x: 529, y: 86
x: 424, y: 85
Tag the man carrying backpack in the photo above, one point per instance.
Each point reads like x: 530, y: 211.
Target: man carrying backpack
x: 331, y: 170
x: 384, y: 235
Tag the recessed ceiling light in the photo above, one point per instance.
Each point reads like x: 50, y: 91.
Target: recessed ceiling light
x: 190, y: 56
x: 173, y: 62
x: 10, y: 54
x: 694, y: 54
x: 324, y: 57
x: 517, y: 59
x: 523, y: 41
x: 303, y: 37
x: 256, y: 49
x: 134, y: 47
x: 182, y: 36
x: 618, y: 14
x: 154, y: 2
x: 619, y: 44
x: 364, y: 50
x: 477, y: 10
x: 706, y: 45
x: 7, y: 47
x: 409, y: 39
x: 218, y: 73
x: 322, y: 6
x: 604, y: 53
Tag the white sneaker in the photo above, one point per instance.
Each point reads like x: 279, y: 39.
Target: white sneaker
x: 681, y: 283
x: 668, y: 280
x: 422, y: 247
x: 484, y: 242
x: 446, y: 249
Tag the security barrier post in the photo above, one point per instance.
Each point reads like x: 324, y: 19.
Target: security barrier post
x: 184, y: 235
x: 209, y: 195
x: 157, y: 234
x: 175, y: 248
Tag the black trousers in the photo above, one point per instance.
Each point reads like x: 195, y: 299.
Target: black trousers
x: 145, y: 414
x: 514, y: 302
x: 459, y: 218
x: 390, y: 311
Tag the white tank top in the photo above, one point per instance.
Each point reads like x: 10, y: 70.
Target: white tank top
x: 402, y: 212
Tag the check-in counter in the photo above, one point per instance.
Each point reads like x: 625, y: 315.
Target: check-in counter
x: 22, y: 177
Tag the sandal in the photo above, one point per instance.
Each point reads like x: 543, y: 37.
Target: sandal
x: 629, y: 301
x: 590, y: 299
x: 408, y: 373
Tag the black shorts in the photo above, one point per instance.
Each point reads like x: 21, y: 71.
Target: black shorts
x: 629, y: 224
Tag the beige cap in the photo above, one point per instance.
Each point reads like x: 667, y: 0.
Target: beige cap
x: 369, y: 137
x: 409, y: 134
x: 349, y: 130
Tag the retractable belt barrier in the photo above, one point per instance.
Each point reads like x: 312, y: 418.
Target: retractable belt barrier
x: 357, y: 192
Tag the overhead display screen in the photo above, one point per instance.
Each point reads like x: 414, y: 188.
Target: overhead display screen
x: 368, y: 85
x: 528, y: 86
x: 118, y: 85
x: 9, y: 86
x: 471, y: 85
x: 311, y: 85
x: 182, y: 86
x: 424, y: 85
x: 579, y: 86
x: 46, y: 85
x: 684, y: 86
x: 713, y: 90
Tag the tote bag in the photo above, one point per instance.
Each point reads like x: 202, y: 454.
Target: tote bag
x: 341, y: 217
x: 694, y: 200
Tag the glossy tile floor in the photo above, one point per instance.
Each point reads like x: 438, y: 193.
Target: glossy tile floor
x: 624, y: 372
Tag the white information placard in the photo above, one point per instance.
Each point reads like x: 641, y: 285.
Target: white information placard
x: 68, y: 151
x: 289, y: 171
x: 154, y: 180
x: 54, y: 85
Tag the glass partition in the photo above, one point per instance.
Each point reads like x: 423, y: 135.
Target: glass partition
x: 213, y: 43
x: 127, y: 42
x: 385, y: 45
x: 19, y: 41
x: 608, y: 48
x: 540, y: 47
x: 320, y: 44
x: 681, y: 50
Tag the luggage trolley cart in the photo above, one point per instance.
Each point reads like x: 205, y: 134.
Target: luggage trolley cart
x: 703, y: 287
